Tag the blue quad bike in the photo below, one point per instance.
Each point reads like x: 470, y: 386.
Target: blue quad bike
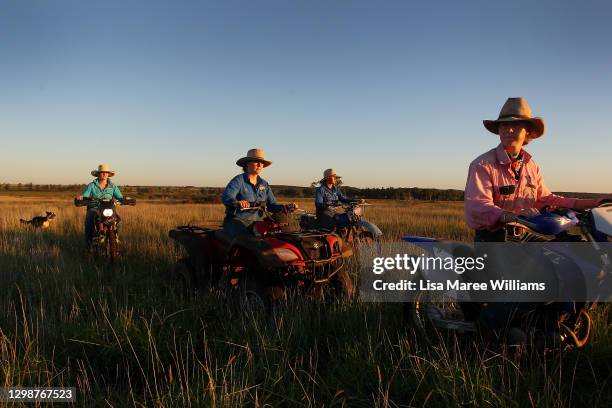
x: 562, y: 324
x: 349, y: 224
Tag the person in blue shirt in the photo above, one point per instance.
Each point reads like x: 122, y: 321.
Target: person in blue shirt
x: 102, y: 188
x: 328, y: 196
x: 247, y: 188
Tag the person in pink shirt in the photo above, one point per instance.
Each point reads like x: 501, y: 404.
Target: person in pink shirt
x: 502, y: 183
x: 506, y: 181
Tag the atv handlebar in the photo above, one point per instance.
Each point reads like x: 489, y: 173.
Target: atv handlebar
x: 261, y: 206
x: 255, y: 205
x: 520, y: 220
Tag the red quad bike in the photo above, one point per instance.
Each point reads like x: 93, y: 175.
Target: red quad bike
x: 261, y: 267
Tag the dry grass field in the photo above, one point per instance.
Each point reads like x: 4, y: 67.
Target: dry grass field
x: 125, y: 337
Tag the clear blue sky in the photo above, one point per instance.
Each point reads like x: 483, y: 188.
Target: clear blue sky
x: 390, y: 93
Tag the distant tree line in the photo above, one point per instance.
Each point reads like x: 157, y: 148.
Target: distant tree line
x: 391, y: 193
x: 213, y: 194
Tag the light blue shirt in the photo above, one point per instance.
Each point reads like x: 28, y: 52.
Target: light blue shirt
x: 93, y: 190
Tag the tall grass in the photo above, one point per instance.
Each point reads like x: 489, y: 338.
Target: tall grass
x: 125, y: 337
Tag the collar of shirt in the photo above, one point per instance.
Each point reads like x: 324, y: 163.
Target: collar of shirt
x: 332, y: 189
x: 504, y: 158
x: 109, y: 184
x: 245, y: 177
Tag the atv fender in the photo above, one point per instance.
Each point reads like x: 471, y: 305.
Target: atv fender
x: 259, y: 249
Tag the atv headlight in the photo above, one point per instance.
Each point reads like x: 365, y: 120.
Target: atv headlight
x: 286, y: 255
x: 107, y: 212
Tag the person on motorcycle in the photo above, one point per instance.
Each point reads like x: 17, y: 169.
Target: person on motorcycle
x: 247, y: 188
x: 505, y: 182
x: 328, y: 196
x: 101, y: 188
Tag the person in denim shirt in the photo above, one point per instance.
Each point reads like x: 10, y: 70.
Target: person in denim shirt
x: 327, y: 196
x: 247, y: 188
x: 102, y: 188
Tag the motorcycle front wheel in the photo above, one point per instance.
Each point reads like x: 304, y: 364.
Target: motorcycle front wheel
x: 433, y: 314
x: 112, y: 245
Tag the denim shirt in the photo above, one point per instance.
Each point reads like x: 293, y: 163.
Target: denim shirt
x: 325, y: 196
x: 239, y: 188
x: 93, y: 190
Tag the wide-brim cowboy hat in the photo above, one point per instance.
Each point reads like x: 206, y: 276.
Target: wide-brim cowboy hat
x: 256, y: 155
x: 517, y: 109
x: 103, y: 168
x: 329, y: 173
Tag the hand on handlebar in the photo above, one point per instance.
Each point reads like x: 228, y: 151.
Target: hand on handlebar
x: 243, y: 204
x: 529, y: 212
x: 511, y: 217
x: 507, y: 217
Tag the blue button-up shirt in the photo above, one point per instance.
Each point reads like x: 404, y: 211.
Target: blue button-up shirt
x: 93, y: 190
x: 325, y: 196
x: 239, y: 188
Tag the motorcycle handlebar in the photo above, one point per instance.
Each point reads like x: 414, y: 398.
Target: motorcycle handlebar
x: 82, y: 203
x: 86, y: 201
x: 523, y: 221
x: 128, y: 201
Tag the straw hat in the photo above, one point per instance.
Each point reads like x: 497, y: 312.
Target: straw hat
x: 103, y: 168
x: 329, y: 173
x: 256, y: 155
x: 516, y: 109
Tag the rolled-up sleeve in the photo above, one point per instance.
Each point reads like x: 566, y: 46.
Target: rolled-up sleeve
x: 319, y: 199
x: 342, y: 198
x: 87, y: 191
x: 117, y: 193
x: 271, y: 200
x: 230, y: 193
x: 546, y: 197
x: 480, y: 210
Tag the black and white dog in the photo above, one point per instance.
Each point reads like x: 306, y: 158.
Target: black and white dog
x: 41, y: 222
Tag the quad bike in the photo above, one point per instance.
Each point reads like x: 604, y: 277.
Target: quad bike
x: 263, y: 265
x: 349, y: 224
x: 105, y: 242
x: 554, y: 325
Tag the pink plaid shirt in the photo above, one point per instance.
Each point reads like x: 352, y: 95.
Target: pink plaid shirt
x: 492, y: 189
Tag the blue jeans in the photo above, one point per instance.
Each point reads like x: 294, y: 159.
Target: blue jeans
x: 233, y: 227
x: 328, y: 220
x: 90, y: 229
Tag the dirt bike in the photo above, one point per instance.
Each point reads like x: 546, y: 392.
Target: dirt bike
x: 105, y: 241
x: 552, y: 325
x: 262, y: 266
x: 349, y: 223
